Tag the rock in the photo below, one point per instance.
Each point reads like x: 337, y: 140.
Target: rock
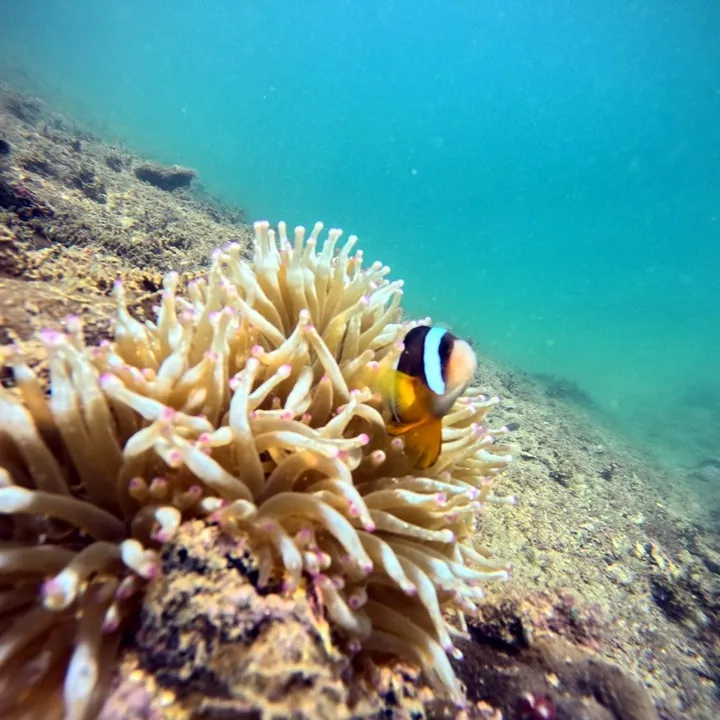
x: 4, y: 147
x: 671, y: 597
x: 166, y: 178
x: 24, y: 107
x: 115, y: 162
x: 576, y: 683
x: 20, y: 200
x: 708, y: 555
x: 89, y: 185
x: 707, y: 473
x: 211, y: 643
x: 620, y: 574
x: 13, y: 262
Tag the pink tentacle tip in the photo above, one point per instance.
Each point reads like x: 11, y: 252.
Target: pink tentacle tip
x: 107, y: 380
x: 370, y: 527
x: 162, y: 536
x: 289, y: 586
x: 125, y: 589
x: 366, y: 568
x: 175, y: 459
x: 51, y: 337
x: 51, y: 587
x: 441, y: 498
x: 409, y: 589
x: 363, y: 439
x: 354, y: 646
x: 287, y: 415
x: 110, y: 625
x: 354, y: 602
x: 151, y: 571
x: 353, y: 509
x: 168, y: 413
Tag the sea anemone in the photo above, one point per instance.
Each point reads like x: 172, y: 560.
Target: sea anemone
x: 247, y: 401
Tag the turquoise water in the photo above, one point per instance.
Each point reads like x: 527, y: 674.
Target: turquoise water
x: 544, y: 175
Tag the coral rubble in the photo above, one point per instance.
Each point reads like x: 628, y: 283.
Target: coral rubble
x: 248, y: 403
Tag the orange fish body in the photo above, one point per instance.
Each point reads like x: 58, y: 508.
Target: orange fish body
x: 433, y: 370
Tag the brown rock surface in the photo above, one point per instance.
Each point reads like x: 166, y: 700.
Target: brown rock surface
x: 212, y: 644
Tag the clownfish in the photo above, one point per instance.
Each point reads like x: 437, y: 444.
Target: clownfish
x: 434, y: 369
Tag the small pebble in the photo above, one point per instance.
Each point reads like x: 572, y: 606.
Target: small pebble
x: 620, y: 575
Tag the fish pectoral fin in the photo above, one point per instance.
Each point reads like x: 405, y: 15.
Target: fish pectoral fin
x: 423, y: 442
x: 395, y: 429
x: 410, y: 402
x: 403, y: 394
